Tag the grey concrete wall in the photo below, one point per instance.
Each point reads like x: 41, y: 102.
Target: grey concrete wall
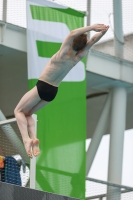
x: 13, y: 192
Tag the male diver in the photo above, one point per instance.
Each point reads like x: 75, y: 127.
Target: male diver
x: 73, y: 49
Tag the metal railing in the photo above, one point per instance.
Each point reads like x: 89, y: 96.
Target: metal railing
x: 11, y: 144
x: 110, y: 191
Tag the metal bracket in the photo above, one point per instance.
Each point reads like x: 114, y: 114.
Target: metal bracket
x: 2, y: 32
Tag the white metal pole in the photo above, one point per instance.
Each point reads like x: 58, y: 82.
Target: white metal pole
x: 118, y: 31
x: 4, y: 16
x: 88, y: 15
x: 117, y: 128
x: 33, y: 161
x: 98, y: 133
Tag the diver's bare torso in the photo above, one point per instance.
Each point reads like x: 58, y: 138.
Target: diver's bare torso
x: 66, y: 58
x: 58, y: 67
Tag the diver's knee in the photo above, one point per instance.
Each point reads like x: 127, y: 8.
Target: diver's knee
x: 15, y: 112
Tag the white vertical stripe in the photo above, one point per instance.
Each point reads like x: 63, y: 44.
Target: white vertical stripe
x: 33, y: 161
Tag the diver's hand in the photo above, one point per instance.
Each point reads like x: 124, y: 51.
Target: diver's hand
x: 100, y: 27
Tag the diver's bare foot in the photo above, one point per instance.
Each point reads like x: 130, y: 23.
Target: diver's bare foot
x: 35, y: 147
x: 28, y: 144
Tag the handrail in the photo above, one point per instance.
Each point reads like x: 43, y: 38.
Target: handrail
x: 8, y: 121
x: 109, y: 184
x: 116, y: 186
x: 103, y: 195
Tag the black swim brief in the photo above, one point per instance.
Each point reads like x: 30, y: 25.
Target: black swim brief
x: 46, y: 91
